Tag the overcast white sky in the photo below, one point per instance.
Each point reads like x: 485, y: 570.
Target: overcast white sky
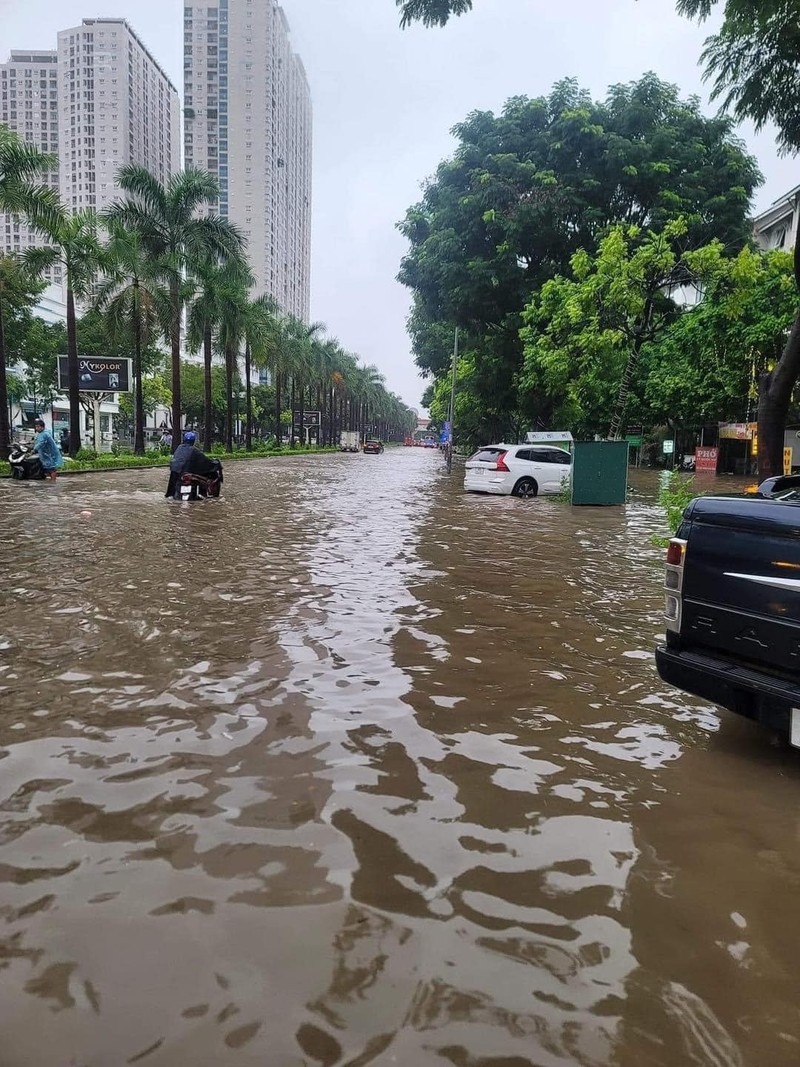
x: 384, y: 102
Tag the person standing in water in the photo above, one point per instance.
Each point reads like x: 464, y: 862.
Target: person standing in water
x: 47, y: 450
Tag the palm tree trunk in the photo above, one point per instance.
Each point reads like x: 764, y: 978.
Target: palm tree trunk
x: 292, y: 408
x: 175, y: 338
x: 73, y: 381
x: 138, y: 413
x: 248, y: 426
x: 278, y: 434
x: 302, y: 413
x: 5, y: 421
x: 229, y: 397
x: 208, y: 407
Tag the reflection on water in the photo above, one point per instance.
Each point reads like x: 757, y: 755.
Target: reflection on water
x: 350, y: 768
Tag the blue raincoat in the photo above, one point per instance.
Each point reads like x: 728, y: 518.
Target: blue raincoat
x: 48, y: 451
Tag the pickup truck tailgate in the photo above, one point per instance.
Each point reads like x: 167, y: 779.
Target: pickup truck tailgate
x: 741, y: 585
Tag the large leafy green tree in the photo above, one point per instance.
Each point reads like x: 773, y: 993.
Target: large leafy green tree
x: 754, y: 63
x: 585, y: 334
x: 180, y: 233
x: 21, y: 166
x: 431, y: 12
x: 526, y: 189
x: 706, y: 365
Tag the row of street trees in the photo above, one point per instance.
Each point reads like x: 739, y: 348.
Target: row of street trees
x: 158, y: 258
x: 551, y: 331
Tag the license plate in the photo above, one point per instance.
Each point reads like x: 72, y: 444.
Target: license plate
x: 794, y: 736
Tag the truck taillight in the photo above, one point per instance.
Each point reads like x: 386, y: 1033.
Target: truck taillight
x: 673, y: 583
x: 500, y: 464
x: 675, y: 552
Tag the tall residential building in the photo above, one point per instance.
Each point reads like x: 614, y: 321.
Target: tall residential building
x: 116, y: 106
x: 98, y: 101
x: 29, y: 106
x: 247, y: 109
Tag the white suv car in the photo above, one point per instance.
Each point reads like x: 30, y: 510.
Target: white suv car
x: 518, y: 470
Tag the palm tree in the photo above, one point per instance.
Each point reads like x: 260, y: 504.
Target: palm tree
x: 20, y: 166
x: 260, y: 332
x: 215, y: 286
x: 76, y: 246
x: 178, y: 237
x: 304, y: 365
x: 283, y: 360
x: 231, y: 334
x: 135, y: 301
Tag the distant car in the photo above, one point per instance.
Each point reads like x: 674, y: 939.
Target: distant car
x: 517, y: 470
x: 429, y: 442
x: 373, y: 448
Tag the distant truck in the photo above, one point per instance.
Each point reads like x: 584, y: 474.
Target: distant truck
x: 350, y: 441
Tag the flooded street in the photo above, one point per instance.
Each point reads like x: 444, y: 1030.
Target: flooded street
x: 351, y: 768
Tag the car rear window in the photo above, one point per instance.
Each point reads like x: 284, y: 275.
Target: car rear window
x: 551, y: 455
x: 487, y: 455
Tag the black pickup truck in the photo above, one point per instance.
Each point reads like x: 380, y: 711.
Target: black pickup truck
x: 732, y: 613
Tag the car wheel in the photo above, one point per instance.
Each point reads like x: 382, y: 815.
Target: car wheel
x: 526, y: 489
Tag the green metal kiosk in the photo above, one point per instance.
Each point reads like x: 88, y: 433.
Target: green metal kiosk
x: 600, y: 473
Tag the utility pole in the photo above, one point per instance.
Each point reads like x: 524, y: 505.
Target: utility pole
x: 451, y: 413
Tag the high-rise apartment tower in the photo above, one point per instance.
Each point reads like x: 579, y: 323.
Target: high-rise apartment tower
x: 247, y: 109
x: 29, y: 106
x: 98, y: 101
x: 116, y: 106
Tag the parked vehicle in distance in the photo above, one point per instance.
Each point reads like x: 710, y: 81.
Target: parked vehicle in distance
x: 732, y: 608
x: 373, y: 448
x: 408, y: 442
x: 517, y: 470
x: 429, y: 442
x: 350, y: 441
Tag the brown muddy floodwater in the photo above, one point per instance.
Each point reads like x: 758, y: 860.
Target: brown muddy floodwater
x: 350, y: 768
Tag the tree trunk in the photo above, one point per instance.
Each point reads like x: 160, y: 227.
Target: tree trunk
x: 302, y: 413
x: 292, y: 440
x: 5, y: 421
x: 774, y: 396
x: 73, y: 379
x: 208, y: 404
x: 775, y: 390
x: 248, y: 425
x: 229, y: 357
x: 175, y: 338
x: 138, y: 414
x: 278, y: 434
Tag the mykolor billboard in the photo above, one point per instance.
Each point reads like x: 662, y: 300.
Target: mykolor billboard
x: 97, y: 375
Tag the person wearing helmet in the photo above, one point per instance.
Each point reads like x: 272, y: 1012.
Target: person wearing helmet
x: 189, y: 459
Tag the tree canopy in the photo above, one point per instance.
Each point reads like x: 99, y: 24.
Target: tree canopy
x: 527, y: 189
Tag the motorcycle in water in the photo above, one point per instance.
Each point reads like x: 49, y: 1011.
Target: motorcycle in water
x: 25, y: 464
x: 192, y: 486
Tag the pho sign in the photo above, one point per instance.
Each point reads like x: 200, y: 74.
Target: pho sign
x: 97, y: 375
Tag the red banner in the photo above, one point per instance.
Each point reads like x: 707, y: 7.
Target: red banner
x: 705, y: 459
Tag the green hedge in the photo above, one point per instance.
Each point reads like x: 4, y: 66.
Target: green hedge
x: 108, y: 461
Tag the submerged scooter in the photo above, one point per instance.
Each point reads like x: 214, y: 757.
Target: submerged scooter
x: 25, y: 464
x: 190, y: 486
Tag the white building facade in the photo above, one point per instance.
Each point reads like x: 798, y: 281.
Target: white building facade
x: 777, y: 226
x: 116, y: 106
x: 248, y: 120
x: 29, y: 106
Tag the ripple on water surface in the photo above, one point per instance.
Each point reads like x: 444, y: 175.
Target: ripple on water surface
x: 349, y: 767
